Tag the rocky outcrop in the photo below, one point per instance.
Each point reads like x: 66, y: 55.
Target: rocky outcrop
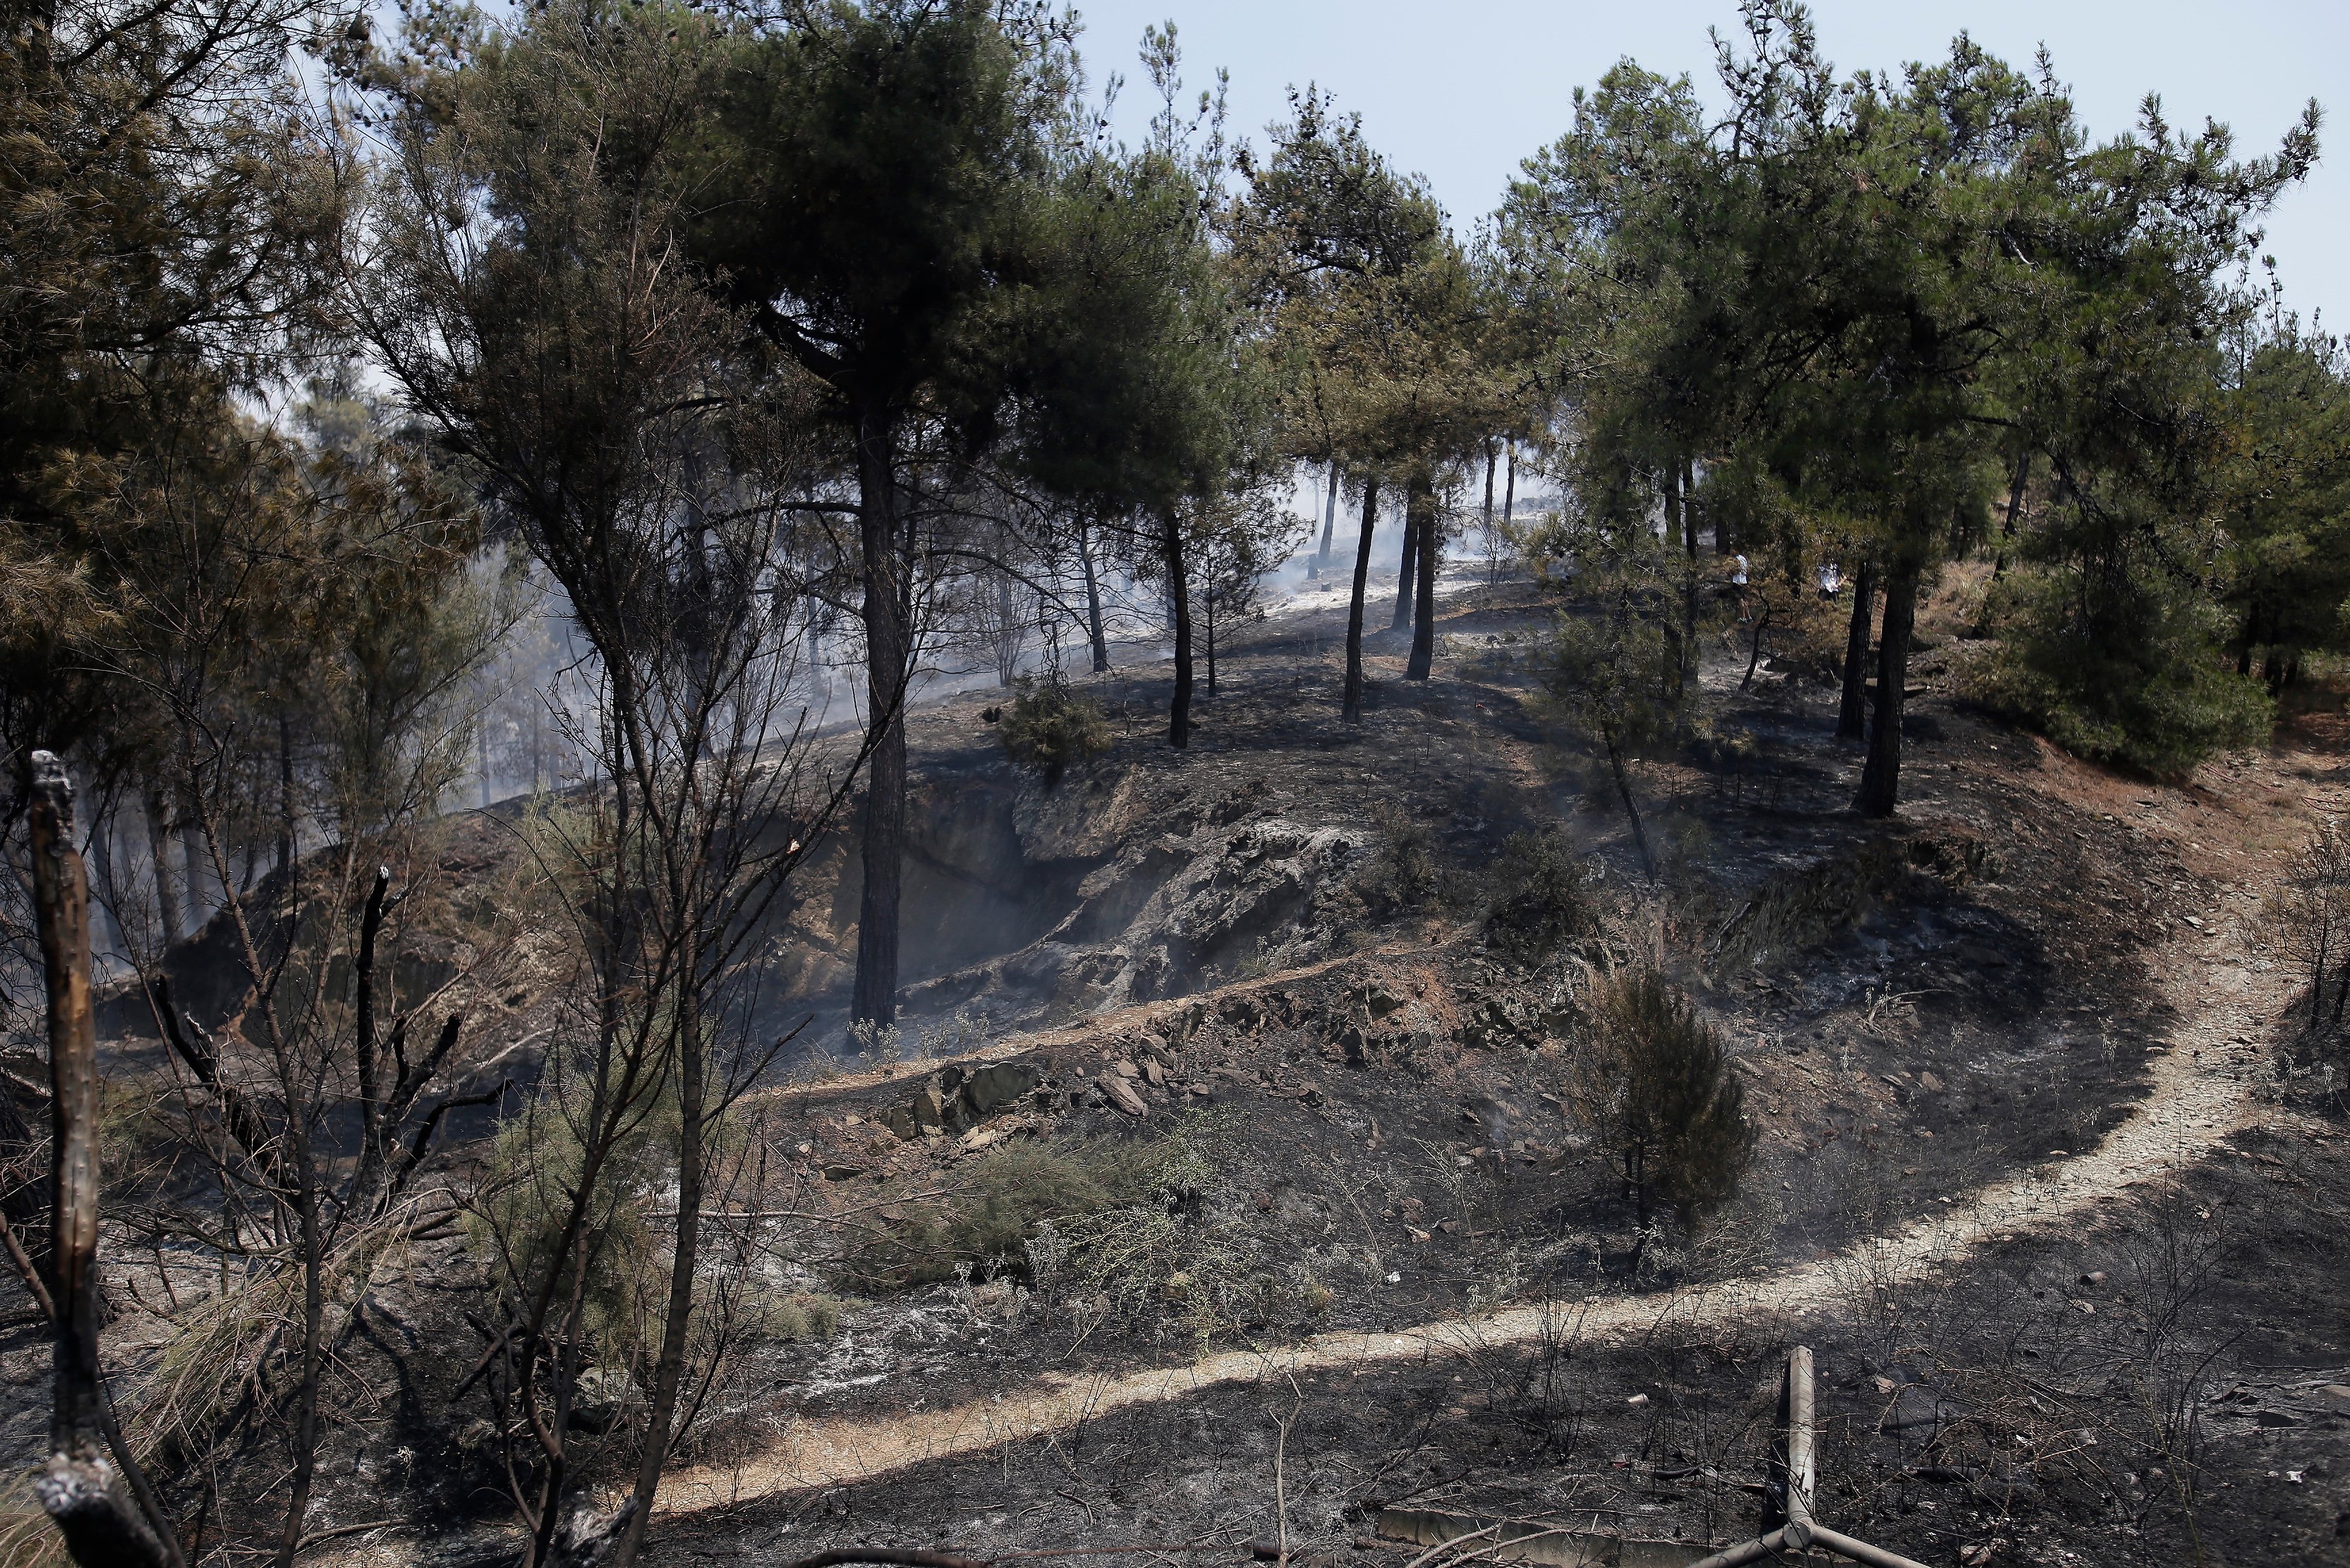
x: 1169, y: 914
x: 956, y: 1098
x: 1028, y: 905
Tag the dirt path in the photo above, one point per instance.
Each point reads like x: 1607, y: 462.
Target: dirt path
x: 2201, y: 1092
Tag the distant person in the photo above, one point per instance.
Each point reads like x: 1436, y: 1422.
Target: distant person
x: 1831, y: 580
x: 1738, y: 584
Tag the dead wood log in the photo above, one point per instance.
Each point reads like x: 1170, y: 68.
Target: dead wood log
x: 103, y: 1520
x: 1791, y: 1538
x: 1798, y: 1475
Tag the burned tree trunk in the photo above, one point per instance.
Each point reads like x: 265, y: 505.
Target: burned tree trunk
x: 1754, y: 653
x: 885, y: 611
x: 1422, y: 504
x: 285, y: 788
x: 1179, y: 597
x: 1680, y: 515
x: 106, y: 1518
x: 371, y: 1096
x: 1351, y: 705
x: 1208, y: 625
x: 1852, y: 710
x: 1407, y: 568
x: 2014, y: 509
x: 1093, y: 605
x: 159, y: 854
x: 677, y: 1323
x: 1492, y: 459
x: 1329, y: 517
x: 1631, y: 810
x: 1880, y: 778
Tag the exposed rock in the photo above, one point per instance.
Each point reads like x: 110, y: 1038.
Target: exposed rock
x: 937, y: 1102
x: 1121, y: 1095
x: 985, y: 1138
x: 1348, y: 1045
x: 994, y: 1086
x: 1156, y: 918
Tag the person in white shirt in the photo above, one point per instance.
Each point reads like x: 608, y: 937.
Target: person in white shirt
x: 1831, y: 580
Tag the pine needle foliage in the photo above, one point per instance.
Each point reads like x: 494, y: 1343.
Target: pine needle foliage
x: 1654, y: 1083
x: 1051, y: 728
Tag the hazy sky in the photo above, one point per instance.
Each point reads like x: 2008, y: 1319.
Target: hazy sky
x: 1461, y: 89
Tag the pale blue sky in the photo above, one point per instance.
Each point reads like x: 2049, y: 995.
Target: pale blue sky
x: 1461, y: 91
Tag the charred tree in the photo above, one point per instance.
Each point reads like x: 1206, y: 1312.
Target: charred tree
x: 2015, y: 510
x: 1407, y: 568
x: 1351, y: 705
x: 1422, y: 504
x: 886, y: 607
x: 1179, y: 601
x: 1093, y: 604
x: 108, y: 1517
x: 1880, y: 778
x: 1853, y: 709
x: 159, y: 856
x: 1680, y: 519
x: 1329, y: 517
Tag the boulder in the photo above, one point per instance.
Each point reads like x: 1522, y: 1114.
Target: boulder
x: 992, y: 1087
x: 939, y: 1102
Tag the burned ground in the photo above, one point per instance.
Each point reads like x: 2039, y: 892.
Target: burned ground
x: 1221, y: 960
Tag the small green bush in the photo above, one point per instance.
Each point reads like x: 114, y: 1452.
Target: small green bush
x: 1051, y: 728
x: 1542, y: 897
x: 805, y: 1317
x: 1097, y: 1192
x: 1653, y: 1082
x: 2143, y: 686
x: 995, y: 1209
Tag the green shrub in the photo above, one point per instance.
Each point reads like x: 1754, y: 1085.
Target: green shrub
x: 995, y: 1208
x: 1542, y: 897
x: 804, y: 1316
x: 535, y: 1161
x: 2142, y: 684
x: 1095, y: 1196
x: 1051, y: 728
x: 1653, y: 1082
